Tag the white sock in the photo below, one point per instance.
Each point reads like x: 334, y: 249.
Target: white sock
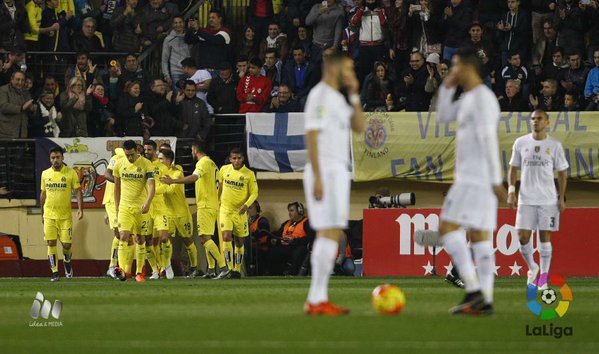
x: 527, y: 253
x: 546, y: 250
x: 455, y: 244
x: 322, y: 260
x: 485, y: 262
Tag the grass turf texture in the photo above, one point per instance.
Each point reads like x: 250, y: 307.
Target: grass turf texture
x: 264, y: 315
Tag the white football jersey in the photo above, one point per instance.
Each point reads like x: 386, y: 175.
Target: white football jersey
x: 328, y: 111
x: 538, y: 160
x: 477, y: 153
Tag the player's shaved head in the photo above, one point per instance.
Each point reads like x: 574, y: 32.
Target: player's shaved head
x: 539, y: 113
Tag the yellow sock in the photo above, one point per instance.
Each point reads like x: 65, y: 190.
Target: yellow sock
x: 151, y: 256
x: 166, y: 252
x: 141, y: 258
x: 192, y: 253
x: 213, y: 254
x: 239, y: 253
x: 114, y: 252
x: 123, y: 256
x: 53, y: 259
x: 228, y: 253
x: 67, y: 253
x: 158, y: 256
x: 130, y: 257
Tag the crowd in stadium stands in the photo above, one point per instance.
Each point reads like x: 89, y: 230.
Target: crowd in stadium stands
x: 536, y: 54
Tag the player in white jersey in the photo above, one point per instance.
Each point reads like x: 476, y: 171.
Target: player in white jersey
x: 537, y: 156
x: 471, y: 203
x: 329, y: 120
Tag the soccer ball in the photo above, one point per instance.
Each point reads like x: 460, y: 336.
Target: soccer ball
x: 388, y: 299
x: 548, y: 296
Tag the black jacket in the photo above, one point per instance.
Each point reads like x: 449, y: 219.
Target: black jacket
x: 161, y: 111
x: 456, y: 26
x: 128, y: 121
x: 222, y: 96
x: 516, y: 104
x: 12, y: 31
x: 194, y: 115
x: 211, y: 49
x: 417, y: 99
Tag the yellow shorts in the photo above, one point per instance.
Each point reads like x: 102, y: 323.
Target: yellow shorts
x: 113, y: 221
x: 130, y: 219
x: 58, y: 228
x: 161, y: 222
x: 147, y: 224
x: 206, y: 221
x: 232, y: 221
x: 182, y: 224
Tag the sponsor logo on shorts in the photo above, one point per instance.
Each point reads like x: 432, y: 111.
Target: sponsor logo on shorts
x: 42, y: 309
x: 549, y: 304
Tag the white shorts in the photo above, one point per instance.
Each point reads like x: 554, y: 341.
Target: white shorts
x: 541, y: 217
x: 471, y: 206
x: 332, y: 211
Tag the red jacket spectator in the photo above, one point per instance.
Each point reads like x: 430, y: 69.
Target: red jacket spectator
x: 253, y: 90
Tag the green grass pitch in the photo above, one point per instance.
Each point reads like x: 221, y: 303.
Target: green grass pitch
x: 264, y: 315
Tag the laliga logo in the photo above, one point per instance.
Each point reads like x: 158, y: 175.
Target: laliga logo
x: 549, y: 296
x: 44, y: 308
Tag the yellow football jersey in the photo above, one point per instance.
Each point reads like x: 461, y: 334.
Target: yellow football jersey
x: 133, y: 180
x: 109, y: 190
x: 158, y: 204
x: 239, y: 187
x: 175, y: 195
x: 206, y: 185
x: 59, y: 186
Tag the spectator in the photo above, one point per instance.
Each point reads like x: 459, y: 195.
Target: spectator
x: 275, y: 40
x: 102, y: 113
x: 86, y: 39
x: 301, y: 75
x: 575, y: 76
x: 434, y: 79
x: 371, y: 21
x: 50, y: 84
x: 542, y: 10
x: 512, y: 101
x: 253, y: 90
x: 569, y: 23
x: 261, y: 239
x: 515, y: 28
x: 400, y: 35
x: 591, y: 14
x: 327, y: 27
x: 303, y: 40
x: 484, y: 48
x: 571, y: 103
x: 160, y: 110
x: 222, y: 95
x: 514, y: 71
x: 411, y: 85
x: 427, y: 35
x: 298, y: 11
x: 111, y: 81
x: 134, y: 72
x: 107, y: 10
x: 54, y: 35
x: 201, y: 77
x: 174, y: 50
x: 126, y: 24
x: 456, y: 19
x: 45, y: 120
x: 34, y: 9
x: 75, y: 103
x: 193, y: 114
x: 548, y: 100
x: 283, y: 102
x: 380, y: 90
x: 14, y: 23
x: 260, y: 15
x: 156, y: 20
x: 557, y: 69
x: 249, y: 45
x: 129, y: 111
x: 211, y: 45
x: 591, y: 89
x: 84, y: 69
x: 544, y: 47
x: 242, y: 66
x: 272, y: 68
x: 12, y: 64
x: 488, y: 13
x: 295, y: 236
x: 15, y: 105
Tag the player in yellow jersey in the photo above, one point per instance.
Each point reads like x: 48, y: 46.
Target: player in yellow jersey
x: 57, y: 185
x: 206, y: 187
x: 133, y: 176
x: 155, y: 224
x: 239, y: 190
x: 110, y: 218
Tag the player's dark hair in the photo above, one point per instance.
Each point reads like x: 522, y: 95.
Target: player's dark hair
x: 236, y: 151
x: 152, y: 143
x: 56, y: 149
x: 129, y: 145
x: 469, y: 56
x: 199, y: 145
x: 168, y: 154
